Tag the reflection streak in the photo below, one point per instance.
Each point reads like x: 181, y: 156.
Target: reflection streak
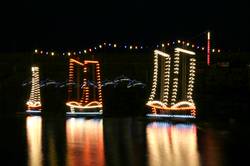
x: 85, y: 144
x: 34, y: 140
x: 172, y: 144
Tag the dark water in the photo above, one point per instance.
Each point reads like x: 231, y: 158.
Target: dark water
x: 36, y: 141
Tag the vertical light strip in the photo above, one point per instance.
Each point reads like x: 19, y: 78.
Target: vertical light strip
x: 166, y: 80
x: 208, y: 48
x: 155, y: 75
x: 175, y: 76
x: 99, y: 86
x: 191, y: 79
x: 71, y: 75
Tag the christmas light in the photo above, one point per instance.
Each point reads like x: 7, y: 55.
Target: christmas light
x: 163, y: 104
x: 34, y: 102
x: 84, y: 104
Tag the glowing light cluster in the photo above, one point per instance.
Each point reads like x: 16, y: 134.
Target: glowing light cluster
x: 34, y: 102
x: 163, y: 104
x: 84, y: 103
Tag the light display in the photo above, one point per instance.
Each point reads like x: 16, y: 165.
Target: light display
x: 131, y: 47
x: 175, y: 86
x: 83, y: 102
x: 34, y: 103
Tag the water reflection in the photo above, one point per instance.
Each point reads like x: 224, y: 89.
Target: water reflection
x: 124, y: 142
x: 85, y: 144
x: 34, y: 140
x: 170, y: 144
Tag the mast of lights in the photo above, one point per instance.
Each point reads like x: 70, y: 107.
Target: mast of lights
x: 208, y: 48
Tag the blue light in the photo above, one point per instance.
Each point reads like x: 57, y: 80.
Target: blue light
x: 33, y: 111
x: 170, y: 116
x: 125, y: 46
x: 84, y: 113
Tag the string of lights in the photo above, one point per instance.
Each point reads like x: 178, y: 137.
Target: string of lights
x: 131, y: 47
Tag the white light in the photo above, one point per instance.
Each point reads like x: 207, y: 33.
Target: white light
x: 157, y: 52
x: 185, y: 51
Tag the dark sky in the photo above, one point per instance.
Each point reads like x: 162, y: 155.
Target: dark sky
x: 72, y: 24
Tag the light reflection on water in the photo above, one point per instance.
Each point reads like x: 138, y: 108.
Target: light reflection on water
x: 172, y: 144
x: 85, y: 144
x: 34, y: 140
x: 112, y: 141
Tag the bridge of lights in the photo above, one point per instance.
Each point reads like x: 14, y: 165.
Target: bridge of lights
x: 34, y: 103
x: 172, y: 86
x: 85, y: 100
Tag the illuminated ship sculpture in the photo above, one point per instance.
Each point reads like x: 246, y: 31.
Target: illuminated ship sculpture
x: 34, y: 103
x: 175, y: 88
x: 87, y: 99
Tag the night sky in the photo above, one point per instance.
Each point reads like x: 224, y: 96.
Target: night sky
x: 26, y: 25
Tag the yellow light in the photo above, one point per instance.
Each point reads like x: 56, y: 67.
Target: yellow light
x: 162, y: 45
x: 36, y: 51
x: 115, y: 45
x: 52, y: 53
x: 157, y: 52
x: 185, y: 51
x: 69, y: 53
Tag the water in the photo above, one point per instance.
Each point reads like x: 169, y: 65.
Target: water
x: 36, y: 141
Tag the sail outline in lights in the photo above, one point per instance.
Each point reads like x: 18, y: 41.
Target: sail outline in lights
x: 174, y: 80
x: 34, y: 104
x: 82, y: 105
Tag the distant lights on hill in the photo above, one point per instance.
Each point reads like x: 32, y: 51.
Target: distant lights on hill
x: 131, y: 47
